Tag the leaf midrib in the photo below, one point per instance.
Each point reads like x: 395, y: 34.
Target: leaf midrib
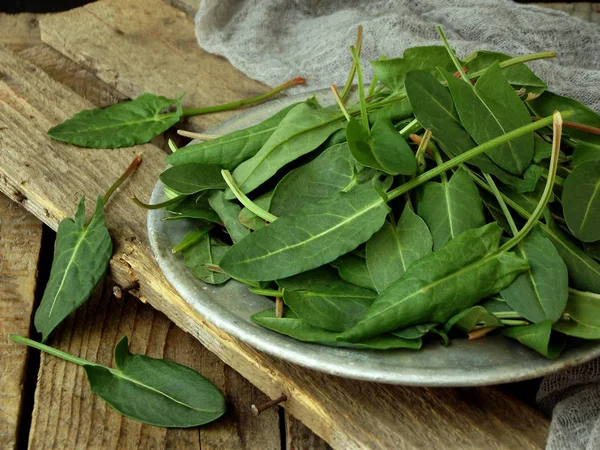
x: 155, y: 118
x: 589, y: 205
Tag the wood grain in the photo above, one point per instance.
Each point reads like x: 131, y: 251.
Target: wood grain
x: 67, y: 415
x: 20, y: 242
x: 139, y: 46
x: 347, y: 414
x: 298, y: 437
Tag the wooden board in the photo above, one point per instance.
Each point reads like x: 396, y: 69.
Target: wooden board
x: 139, y: 46
x: 71, y: 417
x: 20, y: 242
x: 347, y: 414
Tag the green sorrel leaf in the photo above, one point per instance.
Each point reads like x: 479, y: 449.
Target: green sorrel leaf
x: 81, y: 256
x: 443, y: 283
x: 154, y: 391
x: 581, y: 201
x: 393, y: 249
x: 450, y: 207
x: 490, y: 109
x: 382, y: 149
x: 188, y: 179
x: 205, y: 251
x: 540, y: 293
x: 537, y: 337
x: 228, y: 212
x: 583, y: 312
x: 193, y: 207
x: 292, y: 326
x: 308, y: 237
x: 353, y: 269
x: 251, y: 220
x: 232, y: 149
x: 472, y: 319
x: 121, y: 125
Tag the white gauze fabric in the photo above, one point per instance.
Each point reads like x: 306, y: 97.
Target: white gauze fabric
x: 275, y: 40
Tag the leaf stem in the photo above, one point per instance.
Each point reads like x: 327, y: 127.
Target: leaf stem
x: 132, y: 166
x: 361, y: 89
x: 455, y: 60
x: 585, y: 294
x: 547, y: 194
x: 244, y: 200
x: 266, y: 292
x: 507, y: 315
x: 412, y: 127
x: 52, y: 351
x: 503, y: 207
x: 350, y: 79
x: 374, y: 81
x: 201, y: 136
x: 339, y: 101
x: 249, y: 101
x: 466, y: 156
x: 514, y: 323
x: 171, y: 201
x: 517, y: 60
x: 420, y: 154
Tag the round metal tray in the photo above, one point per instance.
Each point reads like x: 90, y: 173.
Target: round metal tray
x: 491, y: 360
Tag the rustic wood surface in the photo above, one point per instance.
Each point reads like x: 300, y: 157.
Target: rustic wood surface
x: 20, y: 242
x: 176, y: 345
x: 347, y: 414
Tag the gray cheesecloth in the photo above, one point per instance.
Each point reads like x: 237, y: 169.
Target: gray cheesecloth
x: 275, y: 40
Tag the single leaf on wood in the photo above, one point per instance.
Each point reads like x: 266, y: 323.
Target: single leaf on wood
x: 490, y: 109
x: 394, y: 248
x: 582, y: 316
x: 450, y: 207
x: 152, y: 391
x: 302, y: 130
x: 294, y: 327
x: 353, y: 269
x: 232, y: 149
x: 472, y: 319
x: 537, y: 337
x: 329, y: 173
x: 581, y: 201
x: 443, y: 283
x: 121, y: 125
x: 193, y: 207
x: 392, y: 72
x: 202, y: 252
x: 540, y: 293
x: 383, y: 148
x: 228, y: 212
x: 329, y: 303
x: 308, y: 237
x: 584, y: 272
x: 519, y: 75
x: 81, y: 256
x: 188, y: 179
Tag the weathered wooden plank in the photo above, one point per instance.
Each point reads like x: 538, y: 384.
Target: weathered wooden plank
x: 348, y: 414
x: 142, y: 46
x: 299, y: 437
x: 67, y: 415
x: 19, y: 31
x: 20, y: 242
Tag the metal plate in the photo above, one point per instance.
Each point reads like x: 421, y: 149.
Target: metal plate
x: 492, y: 360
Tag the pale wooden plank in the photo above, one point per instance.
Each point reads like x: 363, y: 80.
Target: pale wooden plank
x: 347, y: 414
x: 190, y: 7
x: 142, y: 46
x: 19, y: 31
x: 67, y: 415
x: 20, y: 242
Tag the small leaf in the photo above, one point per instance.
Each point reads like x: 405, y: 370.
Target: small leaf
x: 308, y: 237
x: 292, y: 326
x: 393, y: 249
x: 472, y: 319
x: 228, y: 213
x: 382, y: 149
x: 188, y: 179
x: 353, y: 269
x: 583, y: 312
x: 393, y: 112
x: 449, y: 208
x: 585, y: 152
x: 121, y: 125
x: 415, y: 331
x: 538, y: 337
x: 154, y: 391
x: 540, y: 293
x: 251, y: 220
x: 193, y: 207
x: 81, y: 256
x: 232, y: 149
x: 581, y: 201
x: 205, y: 251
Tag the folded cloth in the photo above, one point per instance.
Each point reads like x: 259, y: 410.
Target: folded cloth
x: 275, y: 40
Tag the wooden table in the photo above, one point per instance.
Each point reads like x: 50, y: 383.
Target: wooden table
x: 46, y: 403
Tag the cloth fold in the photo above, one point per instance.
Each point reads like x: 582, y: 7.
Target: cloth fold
x: 275, y: 40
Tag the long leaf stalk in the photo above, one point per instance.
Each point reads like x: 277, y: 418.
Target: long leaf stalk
x: 132, y: 166
x: 249, y: 101
x: 244, y: 200
x: 361, y: 89
x: 455, y: 60
x: 51, y: 351
x: 500, y: 200
x: 339, y: 101
x: 160, y: 205
x: 352, y: 72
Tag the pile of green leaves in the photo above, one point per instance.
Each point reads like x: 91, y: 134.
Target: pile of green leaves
x: 449, y: 201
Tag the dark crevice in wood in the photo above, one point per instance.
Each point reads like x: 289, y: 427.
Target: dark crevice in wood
x: 282, y: 430
x: 33, y: 356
